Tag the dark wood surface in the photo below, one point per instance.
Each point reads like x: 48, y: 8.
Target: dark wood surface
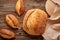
x: 8, y: 7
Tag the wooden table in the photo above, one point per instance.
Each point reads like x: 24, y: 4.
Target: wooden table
x: 8, y: 7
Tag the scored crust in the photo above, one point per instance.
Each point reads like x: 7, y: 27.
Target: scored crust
x: 12, y: 20
x: 6, y: 33
x: 34, y: 22
x: 20, y: 7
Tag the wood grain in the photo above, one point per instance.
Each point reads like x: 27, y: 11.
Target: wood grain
x: 8, y: 7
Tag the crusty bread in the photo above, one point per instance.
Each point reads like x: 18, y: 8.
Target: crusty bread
x: 34, y: 22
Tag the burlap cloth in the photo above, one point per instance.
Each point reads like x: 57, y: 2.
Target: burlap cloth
x: 53, y: 24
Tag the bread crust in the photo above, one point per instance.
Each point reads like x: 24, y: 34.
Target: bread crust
x: 34, y: 22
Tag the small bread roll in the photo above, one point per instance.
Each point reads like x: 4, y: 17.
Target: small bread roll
x: 7, y: 34
x: 20, y: 7
x: 12, y: 21
x: 34, y: 22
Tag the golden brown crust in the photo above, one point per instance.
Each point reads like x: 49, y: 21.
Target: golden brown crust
x: 26, y: 17
x: 20, y: 7
x: 34, y: 23
x: 6, y: 33
x: 12, y: 21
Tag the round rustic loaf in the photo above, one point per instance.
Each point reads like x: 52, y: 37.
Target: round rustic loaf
x: 34, y: 22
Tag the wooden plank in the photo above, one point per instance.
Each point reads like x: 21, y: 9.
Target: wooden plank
x: 8, y: 7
